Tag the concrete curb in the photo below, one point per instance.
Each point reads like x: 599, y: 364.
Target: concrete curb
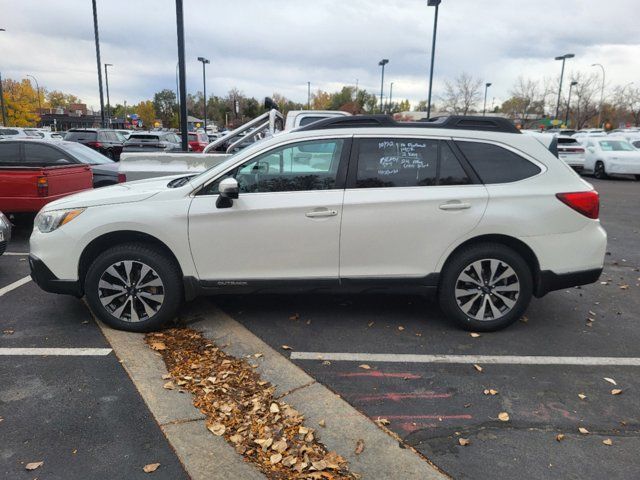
x: 203, y: 455
x: 383, y: 456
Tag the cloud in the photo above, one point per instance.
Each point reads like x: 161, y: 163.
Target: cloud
x: 277, y: 46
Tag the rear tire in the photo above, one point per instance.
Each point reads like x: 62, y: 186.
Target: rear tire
x: 637, y: 178
x: 485, y: 287
x: 599, y: 172
x: 134, y: 287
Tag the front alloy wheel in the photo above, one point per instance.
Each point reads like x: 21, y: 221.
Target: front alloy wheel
x: 487, y: 289
x: 599, y: 171
x: 131, y: 291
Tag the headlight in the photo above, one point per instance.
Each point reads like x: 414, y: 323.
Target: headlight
x: 49, y: 221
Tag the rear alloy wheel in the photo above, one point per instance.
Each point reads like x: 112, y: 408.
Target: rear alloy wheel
x: 486, y: 287
x: 599, y: 171
x: 134, y: 287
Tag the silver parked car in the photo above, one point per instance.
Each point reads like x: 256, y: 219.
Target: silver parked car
x: 5, y: 232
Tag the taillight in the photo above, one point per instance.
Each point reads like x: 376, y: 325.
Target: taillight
x: 43, y: 186
x: 586, y: 203
x: 122, y: 177
x: 94, y: 144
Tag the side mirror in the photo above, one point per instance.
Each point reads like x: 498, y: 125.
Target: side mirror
x: 228, y: 189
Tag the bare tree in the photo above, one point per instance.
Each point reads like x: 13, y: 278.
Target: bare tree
x: 462, y: 96
x: 585, y: 98
x: 627, y: 101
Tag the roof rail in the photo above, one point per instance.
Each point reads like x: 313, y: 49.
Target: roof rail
x: 453, y: 122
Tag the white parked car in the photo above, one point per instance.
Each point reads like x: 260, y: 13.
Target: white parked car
x: 571, y: 152
x: 583, y: 135
x: 465, y: 207
x: 609, y: 156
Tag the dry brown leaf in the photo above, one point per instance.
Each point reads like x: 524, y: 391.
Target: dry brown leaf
x: 464, y: 441
x: 159, y: 346
x: 503, y: 416
x: 217, y: 429
x: 166, y: 376
x: 610, y: 380
x: 370, y: 324
x: 274, y: 408
x: 477, y: 367
x: 275, y: 458
x: 560, y: 437
x: 320, y: 465
x: 582, y: 396
x: 169, y: 386
x: 151, y: 467
x: 401, y: 328
x: 383, y: 421
x: 608, y: 442
x: 237, y: 438
x: 583, y: 430
x: 474, y: 334
x: 490, y: 391
x: 322, y: 423
x: 289, y: 461
x: 33, y: 465
x: 364, y: 366
x: 359, y: 447
x: 280, y: 446
x: 616, y: 391
x: 286, y: 347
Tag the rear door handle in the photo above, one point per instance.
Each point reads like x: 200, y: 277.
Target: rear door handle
x: 455, y: 205
x: 321, y: 212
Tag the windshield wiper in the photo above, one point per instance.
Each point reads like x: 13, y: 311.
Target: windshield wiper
x: 178, y: 182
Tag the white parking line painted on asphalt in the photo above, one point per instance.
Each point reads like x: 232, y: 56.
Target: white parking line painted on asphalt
x: 14, y: 285
x: 467, y: 359
x: 69, y: 352
x: 16, y: 254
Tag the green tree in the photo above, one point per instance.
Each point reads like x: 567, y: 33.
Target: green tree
x: 146, y: 112
x: 166, y: 106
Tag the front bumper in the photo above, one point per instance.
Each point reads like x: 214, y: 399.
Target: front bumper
x: 549, y: 281
x: 48, y: 282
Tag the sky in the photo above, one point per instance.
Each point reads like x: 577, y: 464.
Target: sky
x: 267, y: 46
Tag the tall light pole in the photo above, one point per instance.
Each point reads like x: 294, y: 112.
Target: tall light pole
x: 566, y: 117
x: 106, y: 80
x: 432, y: 3
x: 390, y: 96
x: 204, y: 87
x: 484, y: 106
x: 37, y: 92
x: 563, y: 58
x: 308, y: 95
x: 601, y: 93
x: 182, y: 75
x: 97, y: 38
x: 382, y: 63
x: 4, y: 115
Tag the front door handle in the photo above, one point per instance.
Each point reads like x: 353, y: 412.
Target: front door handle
x: 455, y: 205
x: 321, y: 212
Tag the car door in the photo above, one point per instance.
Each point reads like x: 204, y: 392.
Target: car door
x: 285, y: 224
x: 407, y: 200
x: 590, y: 154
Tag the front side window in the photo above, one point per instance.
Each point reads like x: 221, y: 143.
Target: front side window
x: 396, y: 162
x: 495, y: 164
x: 296, y: 167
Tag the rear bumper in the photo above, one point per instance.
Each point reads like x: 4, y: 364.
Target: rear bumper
x: 48, y: 282
x: 549, y: 281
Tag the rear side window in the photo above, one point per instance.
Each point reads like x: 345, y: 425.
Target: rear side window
x: 9, y: 153
x: 495, y: 164
x: 40, y: 154
x: 396, y: 163
x: 81, y: 136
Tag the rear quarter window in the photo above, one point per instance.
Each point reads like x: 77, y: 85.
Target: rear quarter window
x: 495, y: 164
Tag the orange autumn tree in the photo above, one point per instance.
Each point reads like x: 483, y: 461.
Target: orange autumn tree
x: 21, y: 103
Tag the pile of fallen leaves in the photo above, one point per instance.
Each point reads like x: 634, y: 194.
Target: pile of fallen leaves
x: 241, y: 407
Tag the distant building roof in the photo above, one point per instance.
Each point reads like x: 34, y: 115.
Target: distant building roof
x: 191, y: 119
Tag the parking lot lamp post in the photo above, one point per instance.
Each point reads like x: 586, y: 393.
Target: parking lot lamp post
x: 97, y: 38
x: 601, y: 92
x: 432, y: 3
x: 382, y: 63
x: 37, y: 92
x: 563, y: 58
x: 390, y: 97
x: 484, y: 106
x: 566, y: 117
x: 182, y: 76
x: 106, y: 81
x: 204, y: 88
x: 308, y: 95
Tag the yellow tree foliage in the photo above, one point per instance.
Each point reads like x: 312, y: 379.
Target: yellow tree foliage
x: 146, y: 112
x: 21, y: 103
x: 321, y: 100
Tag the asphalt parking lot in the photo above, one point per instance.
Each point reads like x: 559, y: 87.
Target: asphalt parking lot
x: 81, y: 415
x: 51, y: 406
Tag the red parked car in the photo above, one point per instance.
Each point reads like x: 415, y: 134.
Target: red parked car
x: 30, y: 178
x: 197, y: 141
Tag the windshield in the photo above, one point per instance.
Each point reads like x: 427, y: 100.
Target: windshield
x: 86, y: 154
x: 616, y: 146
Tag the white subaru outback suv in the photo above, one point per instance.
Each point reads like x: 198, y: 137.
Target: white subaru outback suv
x: 466, y: 207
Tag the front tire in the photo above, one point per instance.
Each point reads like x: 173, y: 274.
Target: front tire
x: 485, y: 287
x: 134, y: 287
x: 599, y: 172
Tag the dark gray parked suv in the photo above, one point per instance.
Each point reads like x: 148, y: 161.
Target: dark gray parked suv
x: 153, y: 142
